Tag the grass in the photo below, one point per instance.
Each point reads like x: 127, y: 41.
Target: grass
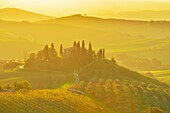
x: 38, y: 79
x: 47, y: 101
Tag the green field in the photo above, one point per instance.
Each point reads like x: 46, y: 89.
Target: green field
x: 38, y: 79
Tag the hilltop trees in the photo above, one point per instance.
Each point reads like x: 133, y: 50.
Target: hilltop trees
x: 11, y: 65
x: 73, y: 57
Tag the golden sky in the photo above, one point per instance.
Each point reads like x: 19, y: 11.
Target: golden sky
x: 93, y: 7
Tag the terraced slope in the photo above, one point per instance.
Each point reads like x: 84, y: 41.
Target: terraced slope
x: 47, y: 101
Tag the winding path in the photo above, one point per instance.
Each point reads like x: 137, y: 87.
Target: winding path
x: 77, y: 79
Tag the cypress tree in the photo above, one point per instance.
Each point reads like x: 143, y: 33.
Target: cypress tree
x: 52, y: 45
x: 45, y: 53
x: 61, y: 50
x: 90, y: 53
x: 74, y: 44
x: 90, y: 48
x: 78, y: 44
x: 52, y: 52
x: 100, y: 54
x: 83, y: 44
x: 103, y: 53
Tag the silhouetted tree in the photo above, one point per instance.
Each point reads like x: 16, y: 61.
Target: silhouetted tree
x: 90, y: 48
x: 78, y: 44
x: 100, y: 54
x: 52, y: 52
x: 103, y: 53
x: 113, y: 60
x: 52, y: 45
x: 45, y: 53
x: 74, y: 44
x: 61, y: 50
x: 39, y: 55
x: 83, y: 44
x: 90, y: 52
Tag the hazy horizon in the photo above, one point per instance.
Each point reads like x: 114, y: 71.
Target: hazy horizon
x: 98, y: 8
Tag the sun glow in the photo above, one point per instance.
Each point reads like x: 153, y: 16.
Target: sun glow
x: 91, y: 7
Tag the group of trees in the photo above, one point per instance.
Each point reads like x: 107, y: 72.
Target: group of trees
x: 16, y: 86
x: 128, y: 96
x: 11, y: 65
x: 153, y: 110
x: 70, y: 58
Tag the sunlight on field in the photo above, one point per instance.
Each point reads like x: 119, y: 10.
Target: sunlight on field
x: 39, y: 79
x: 162, y: 75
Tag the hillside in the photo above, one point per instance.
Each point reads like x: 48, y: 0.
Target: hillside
x: 47, y: 101
x: 105, y: 69
x: 145, y: 39
x: 123, y: 90
x: 14, y: 14
x: 151, y: 43
x: 137, y: 27
x: 39, y: 79
x: 18, y: 46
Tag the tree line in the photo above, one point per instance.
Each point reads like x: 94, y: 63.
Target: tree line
x: 128, y: 96
x: 16, y: 86
x: 74, y: 57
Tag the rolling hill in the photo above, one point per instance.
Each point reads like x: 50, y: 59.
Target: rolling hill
x: 38, y: 79
x: 68, y: 29
x: 103, y: 69
x: 146, y: 39
x: 14, y: 46
x: 14, y: 14
x: 99, y: 74
x: 106, y: 69
x: 132, y: 27
x: 47, y: 101
x: 119, y: 87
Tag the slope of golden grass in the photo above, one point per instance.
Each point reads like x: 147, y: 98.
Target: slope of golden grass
x: 47, y: 101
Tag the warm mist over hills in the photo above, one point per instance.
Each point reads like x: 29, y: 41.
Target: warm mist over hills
x: 81, y: 63
x: 144, y: 15
x: 14, y: 14
x: 146, y: 39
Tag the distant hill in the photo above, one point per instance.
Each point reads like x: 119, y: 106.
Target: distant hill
x: 131, y: 27
x: 144, y: 15
x: 146, y: 39
x: 13, y: 46
x: 14, y: 14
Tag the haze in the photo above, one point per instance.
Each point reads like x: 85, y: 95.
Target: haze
x: 100, y: 8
